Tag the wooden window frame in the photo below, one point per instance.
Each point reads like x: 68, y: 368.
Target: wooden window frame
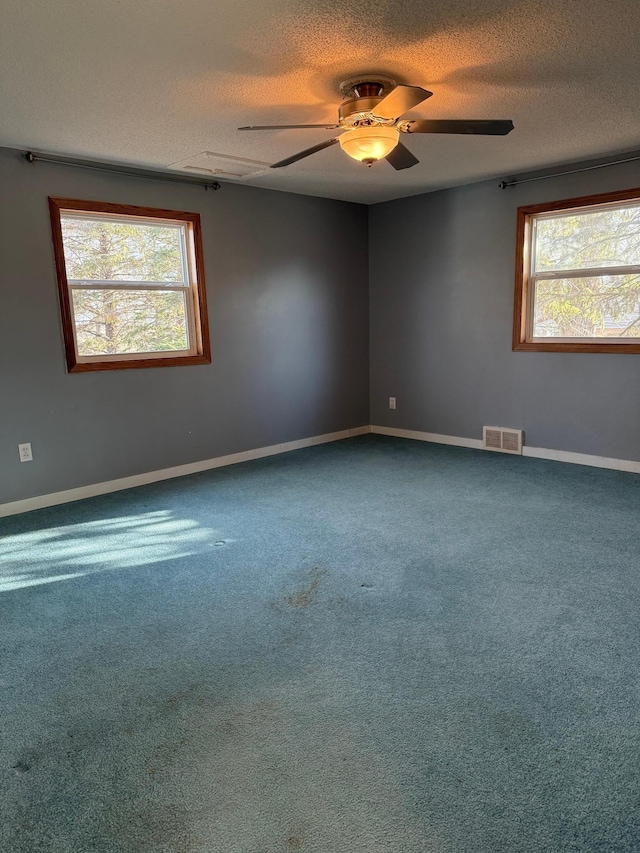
x: 523, y: 340
x: 197, y: 289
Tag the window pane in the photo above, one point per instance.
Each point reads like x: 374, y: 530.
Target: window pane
x: 108, y: 250
x: 602, y: 238
x: 111, y: 322
x: 590, y: 307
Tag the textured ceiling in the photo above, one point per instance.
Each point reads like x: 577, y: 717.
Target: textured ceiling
x: 152, y: 82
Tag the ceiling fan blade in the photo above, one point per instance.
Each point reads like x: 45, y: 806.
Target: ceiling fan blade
x: 401, y: 157
x: 302, y: 154
x: 290, y: 126
x: 484, y: 128
x: 400, y: 101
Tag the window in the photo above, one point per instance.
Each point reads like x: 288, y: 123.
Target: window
x: 578, y: 275
x: 131, y: 285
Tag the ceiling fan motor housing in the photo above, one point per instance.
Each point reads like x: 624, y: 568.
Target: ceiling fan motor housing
x: 361, y: 98
x: 361, y: 111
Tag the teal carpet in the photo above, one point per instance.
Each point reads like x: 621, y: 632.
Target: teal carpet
x: 374, y: 645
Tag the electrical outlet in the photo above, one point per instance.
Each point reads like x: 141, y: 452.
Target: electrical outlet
x: 25, y: 453
x: 392, y: 402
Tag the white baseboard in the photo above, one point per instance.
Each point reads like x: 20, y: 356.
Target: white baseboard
x: 90, y: 491
x: 629, y: 465
x: 456, y: 440
x: 41, y: 501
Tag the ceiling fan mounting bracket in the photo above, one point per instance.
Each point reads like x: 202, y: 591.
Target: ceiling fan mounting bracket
x: 367, y: 85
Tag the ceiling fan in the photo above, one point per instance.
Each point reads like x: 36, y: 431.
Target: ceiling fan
x: 370, y: 117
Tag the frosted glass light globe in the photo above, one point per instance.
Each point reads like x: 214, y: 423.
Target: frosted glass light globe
x: 369, y: 144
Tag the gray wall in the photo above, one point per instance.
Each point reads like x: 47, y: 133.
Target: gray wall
x: 287, y: 289
x: 287, y: 294
x: 441, y: 309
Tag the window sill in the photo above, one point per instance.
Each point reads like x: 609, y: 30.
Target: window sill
x: 570, y: 346
x: 135, y: 363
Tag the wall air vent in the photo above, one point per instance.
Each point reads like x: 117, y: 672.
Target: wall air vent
x: 502, y: 439
x: 220, y: 165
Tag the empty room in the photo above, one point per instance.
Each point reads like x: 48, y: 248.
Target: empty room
x: 319, y: 426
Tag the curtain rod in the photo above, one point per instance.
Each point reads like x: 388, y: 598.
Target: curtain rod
x: 132, y: 172
x: 504, y: 184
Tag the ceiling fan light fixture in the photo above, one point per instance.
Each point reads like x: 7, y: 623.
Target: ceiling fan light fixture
x: 368, y: 144
x: 370, y: 119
